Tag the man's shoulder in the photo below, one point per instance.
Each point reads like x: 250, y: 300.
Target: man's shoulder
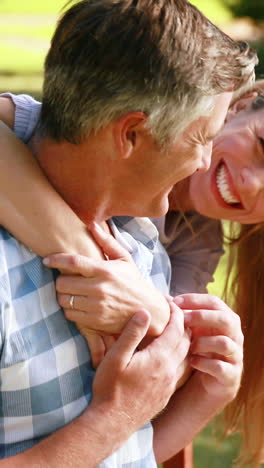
x: 11, y: 250
x: 21, y: 271
x: 8, y: 247
x: 140, y: 229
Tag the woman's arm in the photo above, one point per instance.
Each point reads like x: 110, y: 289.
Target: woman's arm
x: 29, y: 206
x: 216, y: 355
x: 7, y: 112
x: 37, y: 216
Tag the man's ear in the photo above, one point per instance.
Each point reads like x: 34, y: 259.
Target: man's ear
x: 128, y: 132
x: 241, y: 104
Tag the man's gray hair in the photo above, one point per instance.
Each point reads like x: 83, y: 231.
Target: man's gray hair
x: 163, y: 58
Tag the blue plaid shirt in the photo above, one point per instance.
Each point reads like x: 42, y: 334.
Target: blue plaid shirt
x: 45, y: 367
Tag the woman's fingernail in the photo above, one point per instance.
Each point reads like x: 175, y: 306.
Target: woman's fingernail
x: 187, y: 317
x: 99, y: 229
x: 97, y: 226
x: 179, y: 300
x: 169, y: 298
x: 46, y: 261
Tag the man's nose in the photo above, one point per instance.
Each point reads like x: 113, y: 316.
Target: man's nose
x: 206, y: 158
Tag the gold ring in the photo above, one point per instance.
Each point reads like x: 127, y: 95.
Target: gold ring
x: 72, y: 302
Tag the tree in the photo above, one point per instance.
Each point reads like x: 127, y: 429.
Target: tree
x: 252, y: 8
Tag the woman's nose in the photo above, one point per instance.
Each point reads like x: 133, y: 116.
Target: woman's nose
x: 252, y: 180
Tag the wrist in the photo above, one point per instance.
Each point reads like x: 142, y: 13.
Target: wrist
x: 160, y: 314
x: 104, y: 417
x: 209, y: 399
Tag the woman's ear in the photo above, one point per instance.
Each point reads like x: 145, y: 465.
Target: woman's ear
x: 128, y: 130
x: 241, y: 104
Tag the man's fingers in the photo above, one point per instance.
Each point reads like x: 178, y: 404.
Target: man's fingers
x: 109, y: 245
x: 130, y: 338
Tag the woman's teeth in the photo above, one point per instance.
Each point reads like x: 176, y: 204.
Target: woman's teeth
x: 224, y: 187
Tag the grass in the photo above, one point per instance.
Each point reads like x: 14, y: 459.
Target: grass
x: 210, y: 452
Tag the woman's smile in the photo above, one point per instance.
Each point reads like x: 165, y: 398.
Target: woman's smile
x: 226, y: 190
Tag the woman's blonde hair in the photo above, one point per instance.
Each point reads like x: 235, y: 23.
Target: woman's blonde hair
x: 245, y: 293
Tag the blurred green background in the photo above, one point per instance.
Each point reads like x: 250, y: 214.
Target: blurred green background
x: 26, y: 27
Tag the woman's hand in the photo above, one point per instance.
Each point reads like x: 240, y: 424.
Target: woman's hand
x: 217, y: 343
x: 103, y: 295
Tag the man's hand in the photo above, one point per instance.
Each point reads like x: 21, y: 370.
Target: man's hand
x: 129, y: 389
x: 138, y: 384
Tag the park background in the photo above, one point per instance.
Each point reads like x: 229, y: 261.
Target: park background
x: 26, y: 27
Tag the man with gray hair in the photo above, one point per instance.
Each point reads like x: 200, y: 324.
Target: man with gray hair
x: 134, y: 93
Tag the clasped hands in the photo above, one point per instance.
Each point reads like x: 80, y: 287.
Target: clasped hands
x: 108, y: 293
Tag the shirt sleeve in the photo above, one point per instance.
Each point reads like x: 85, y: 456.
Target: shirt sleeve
x: 194, y: 245
x: 4, y: 292
x: 27, y: 111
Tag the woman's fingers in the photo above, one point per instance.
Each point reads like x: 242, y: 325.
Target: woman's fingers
x: 217, y: 345
x: 82, y: 265
x: 89, y: 311
x: 78, y: 285
x: 85, y: 303
x: 194, y: 301
x: 109, y: 341
x: 208, y: 311
x: 78, y: 264
x: 223, y: 372
x: 220, y: 322
x: 109, y: 245
x: 96, y: 345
